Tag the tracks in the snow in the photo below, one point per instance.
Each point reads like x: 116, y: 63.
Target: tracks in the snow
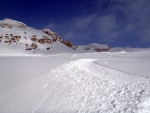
x: 80, y: 85
x: 132, y: 74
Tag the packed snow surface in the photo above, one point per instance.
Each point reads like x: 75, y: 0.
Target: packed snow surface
x: 75, y: 83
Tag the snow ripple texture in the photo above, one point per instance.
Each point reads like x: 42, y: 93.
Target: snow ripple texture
x: 81, y: 86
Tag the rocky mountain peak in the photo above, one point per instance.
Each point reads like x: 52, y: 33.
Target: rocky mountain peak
x: 17, y: 34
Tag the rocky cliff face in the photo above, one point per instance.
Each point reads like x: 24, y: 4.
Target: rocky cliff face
x: 57, y: 37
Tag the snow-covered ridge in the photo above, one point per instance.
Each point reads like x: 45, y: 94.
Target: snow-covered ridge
x: 16, y: 37
x: 9, y: 23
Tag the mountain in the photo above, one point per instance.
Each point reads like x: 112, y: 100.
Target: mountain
x: 94, y: 47
x: 18, y: 38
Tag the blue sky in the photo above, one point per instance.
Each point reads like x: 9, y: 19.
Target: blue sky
x: 124, y: 23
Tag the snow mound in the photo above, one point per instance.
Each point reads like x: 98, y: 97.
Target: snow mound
x: 81, y: 86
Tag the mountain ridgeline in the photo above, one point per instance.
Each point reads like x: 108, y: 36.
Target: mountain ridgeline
x: 17, y: 35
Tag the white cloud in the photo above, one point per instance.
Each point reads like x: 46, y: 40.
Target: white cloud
x: 120, y: 19
x: 106, y: 24
x: 134, y: 15
x: 52, y: 26
x: 83, y: 22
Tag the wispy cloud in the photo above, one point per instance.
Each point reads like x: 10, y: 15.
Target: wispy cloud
x: 134, y: 16
x: 112, y: 20
x: 83, y: 22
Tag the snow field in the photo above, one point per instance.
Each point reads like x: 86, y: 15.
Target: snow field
x: 80, y: 86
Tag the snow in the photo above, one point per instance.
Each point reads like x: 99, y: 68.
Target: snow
x: 136, y: 63
x: 75, y: 83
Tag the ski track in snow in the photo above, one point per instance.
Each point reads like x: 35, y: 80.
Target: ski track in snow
x: 80, y: 86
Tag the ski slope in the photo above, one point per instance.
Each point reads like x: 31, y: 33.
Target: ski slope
x: 77, y: 83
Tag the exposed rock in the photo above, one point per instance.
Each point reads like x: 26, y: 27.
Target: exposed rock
x: 48, y: 48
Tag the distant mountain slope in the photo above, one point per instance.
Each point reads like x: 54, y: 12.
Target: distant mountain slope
x: 94, y: 47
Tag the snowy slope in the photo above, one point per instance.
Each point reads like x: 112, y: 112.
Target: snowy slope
x: 17, y: 38
x: 77, y: 84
